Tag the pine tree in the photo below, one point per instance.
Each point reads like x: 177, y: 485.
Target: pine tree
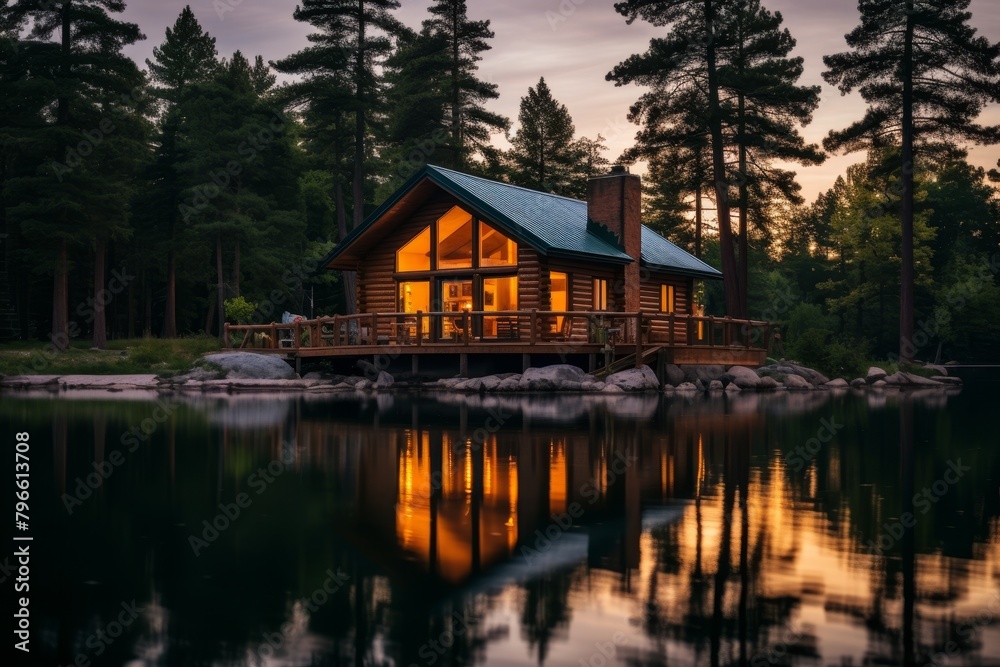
x: 687, y: 58
x: 187, y: 56
x: 470, y: 124
x: 341, y: 68
x: 73, y: 199
x: 926, y: 76
x: 542, y: 156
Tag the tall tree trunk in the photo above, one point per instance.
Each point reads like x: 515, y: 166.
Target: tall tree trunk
x: 220, y: 293
x: 350, y: 278
x: 210, y: 313
x: 147, y: 295
x: 60, y: 287
x: 236, y: 270
x: 359, y: 125
x: 60, y: 299
x: 170, y: 310
x: 100, y: 335
x: 744, y: 243
x: 130, y: 333
x: 906, y: 349
x: 456, y: 111
x: 730, y: 278
x: 697, y: 221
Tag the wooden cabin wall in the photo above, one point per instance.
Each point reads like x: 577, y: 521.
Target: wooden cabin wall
x: 581, y: 297
x: 649, y: 297
x: 529, y: 284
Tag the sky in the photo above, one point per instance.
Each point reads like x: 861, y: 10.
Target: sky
x: 573, y: 44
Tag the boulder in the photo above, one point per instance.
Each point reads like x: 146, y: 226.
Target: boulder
x: 742, y: 377
x: 837, y: 383
x: 705, y: 373
x: 592, y: 386
x: 635, y: 379
x: 473, y: 385
x: 715, y: 385
x: 879, y: 384
x: 940, y: 370
x: 947, y: 379
x: 920, y: 380
x: 797, y: 382
x: 787, y: 368
x: 251, y: 366
x: 699, y: 385
x: 732, y: 389
x: 549, y: 378
x: 383, y: 381
x: 612, y: 389
x: 491, y: 382
x: 768, y: 382
x: 686, y: 386
x: 510, y: 384
x: 674, y: 374
x: 363, y: 385
x: 858, y: 383
x: 896, y: 379
x: 875, y: 374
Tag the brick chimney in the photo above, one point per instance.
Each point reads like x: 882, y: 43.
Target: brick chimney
x: 613, y: 203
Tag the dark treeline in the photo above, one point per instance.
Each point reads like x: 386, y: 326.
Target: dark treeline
x: 139, y: 201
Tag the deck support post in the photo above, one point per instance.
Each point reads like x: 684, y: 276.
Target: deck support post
x: 591, y: 362
x: 661, y: 367
x: 525, y: 362
x: 414, y: 364
x: 298, y: 365
x: 463, y: 364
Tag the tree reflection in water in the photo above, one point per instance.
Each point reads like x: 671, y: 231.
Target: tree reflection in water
x: 691, y: 535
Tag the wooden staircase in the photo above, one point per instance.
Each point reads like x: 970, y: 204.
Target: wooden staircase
x: 628, y: 361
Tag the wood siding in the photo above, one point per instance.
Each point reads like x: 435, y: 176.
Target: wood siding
x: 649, y: 297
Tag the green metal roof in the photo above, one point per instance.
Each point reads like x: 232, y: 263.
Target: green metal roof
x: 552, y: 224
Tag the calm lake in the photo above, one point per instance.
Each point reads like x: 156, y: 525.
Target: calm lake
x: 433, y: 529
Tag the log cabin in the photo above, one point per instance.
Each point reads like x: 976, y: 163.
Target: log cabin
x: 450, y: 242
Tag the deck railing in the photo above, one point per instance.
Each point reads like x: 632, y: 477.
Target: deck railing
x: 512, y: 327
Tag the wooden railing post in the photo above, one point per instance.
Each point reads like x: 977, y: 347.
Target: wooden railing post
x: 670, y: 334
x: 274, y: 336
x: 374, y: 331
x: 225, y: 336
x: 727, y: 331
x: 420, y: 328
x: 534, y: 325
x: 711, y: 331
x: 466, y: 325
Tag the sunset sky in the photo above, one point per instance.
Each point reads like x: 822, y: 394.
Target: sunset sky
x: 573, y: 44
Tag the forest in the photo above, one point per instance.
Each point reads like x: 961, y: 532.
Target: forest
x: 160, y: 199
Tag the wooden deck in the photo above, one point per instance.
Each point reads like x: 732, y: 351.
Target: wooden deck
x: 605, y: 338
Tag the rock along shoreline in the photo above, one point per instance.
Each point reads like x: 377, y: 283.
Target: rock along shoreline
x: 247, y: 372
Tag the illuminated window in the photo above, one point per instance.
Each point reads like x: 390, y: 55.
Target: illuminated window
x: 559, y: 294
x: 413, y: 296
x: 600, y: 294
x: 454, y: 247
x: 415, y: 255
x: 666, y: 298
x: 495, y: 249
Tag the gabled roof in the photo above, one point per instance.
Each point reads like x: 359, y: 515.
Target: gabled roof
x: 553, y: 225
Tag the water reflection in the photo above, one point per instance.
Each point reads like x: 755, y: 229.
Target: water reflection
x: 462, y: 530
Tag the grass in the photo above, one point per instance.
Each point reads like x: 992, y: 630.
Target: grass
x: 165, y: 357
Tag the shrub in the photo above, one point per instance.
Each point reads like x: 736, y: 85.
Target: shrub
x: 239, y: 310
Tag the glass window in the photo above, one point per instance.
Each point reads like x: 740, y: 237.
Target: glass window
x: 666, y: 298
x: 495, y: 249
x: 600, y: 294
x: 454, y: 249
x: 500, y: 294
x: 559, y: 295
x: 413, y: 296
x: 416, y: 254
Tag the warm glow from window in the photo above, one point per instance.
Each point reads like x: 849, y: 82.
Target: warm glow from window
x: 559, y: 294
x: 415, y: 255
x: 454, y: 240
x: 600, y: 294
x: 495, y: 249
x: 666, y: 298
